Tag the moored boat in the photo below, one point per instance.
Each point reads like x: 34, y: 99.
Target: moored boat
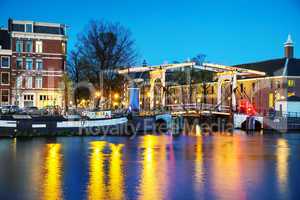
x: 28, y: 125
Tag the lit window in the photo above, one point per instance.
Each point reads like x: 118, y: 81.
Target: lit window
x: 5, y: 62
x: 291, y: 94
x: 38, y: 46
x: 291, y: 83
x: 63, y: 46
x: 5, y: 78
x: 19, y: 46
x: 39, y: 65
x: 271, y: 100
x: 38, y: 82
x: 19, y: 63
x: 4, y: 96
x: 28, y: 46
x: 28, y: 28
x: 29, y: 82
x: 28, y: 63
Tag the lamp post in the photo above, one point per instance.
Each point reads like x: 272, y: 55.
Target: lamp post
x: 116, y: 99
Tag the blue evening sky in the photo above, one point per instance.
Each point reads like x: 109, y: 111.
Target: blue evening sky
x: 228, y: 31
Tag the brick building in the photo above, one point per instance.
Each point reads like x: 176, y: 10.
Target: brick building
x: 37, y: 63
x: 5, y: 68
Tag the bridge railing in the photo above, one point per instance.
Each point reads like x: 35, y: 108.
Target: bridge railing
x: 197, y: 107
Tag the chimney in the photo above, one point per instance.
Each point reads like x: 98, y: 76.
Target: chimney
x: 289, y: 47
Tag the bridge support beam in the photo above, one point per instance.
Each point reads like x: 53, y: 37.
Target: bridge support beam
x: 233, y: 89
x: 159, y: 74
x: 233, y: 82
x: 219, y: 95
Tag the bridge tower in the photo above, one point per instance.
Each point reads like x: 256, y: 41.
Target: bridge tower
x: 157, y: 75
x: 227, y: 76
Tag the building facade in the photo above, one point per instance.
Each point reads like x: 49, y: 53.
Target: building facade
x: 281, y: 81
x: 5, y: 68
x: 38, y: 63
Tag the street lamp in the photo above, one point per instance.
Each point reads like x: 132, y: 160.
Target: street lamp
x: 97, y: 94
x: 116, y: 96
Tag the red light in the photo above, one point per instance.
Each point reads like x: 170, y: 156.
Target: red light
x: 246, y: 107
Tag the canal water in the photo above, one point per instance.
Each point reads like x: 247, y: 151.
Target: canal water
x: 216, y: 166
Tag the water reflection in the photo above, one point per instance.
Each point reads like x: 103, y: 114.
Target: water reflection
x: 96, y: 186
x: 227, y: 167
x: 105, y: 184
x: 116, y: 179
x: 215, y: 166
x: 282, y: 153
x: 153, y: 184
x: 53, y: 167
x: 198, y: 164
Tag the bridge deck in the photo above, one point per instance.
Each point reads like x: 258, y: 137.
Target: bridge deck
x: 192, y: 110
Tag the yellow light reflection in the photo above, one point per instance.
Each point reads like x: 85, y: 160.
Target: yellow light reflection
x: 227, y: 169
x: 96, y: 186
x: 116, y: 179
x: 154, y: 171
x: 52, y: 180
x: 282, y: 153
x: 198, y: 163
x: 198, y: 130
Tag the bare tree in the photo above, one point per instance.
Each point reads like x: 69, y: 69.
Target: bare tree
x: 101, y: 49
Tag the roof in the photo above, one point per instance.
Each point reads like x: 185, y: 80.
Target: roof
x: 36, y: 27
x: 275, y: 67
x: 293, y: 98
x: 4, y: 39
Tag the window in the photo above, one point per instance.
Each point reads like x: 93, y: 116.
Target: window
x: 28, y: 97
x: 271, y: 100
x: 28, y: 28
x: 19, y: 63
x: 5, y: 61
x: 4, y: 96
x: 253, y: 87
x: 28, y: 63
x: 29, y: 82
x: 19, y: 82
x: 242, y: 88
x: 39, y: 65
x: 28, y: 100
x: 44, y: 98
x: 38, y: 46
x: 278, y: 84
x: 291, y: 83
x: 63, y: 46
x: 291, y: 94
x: 28, y: 46
x: 19, y: 46
x: 271, y: 84
x: 38, y: 82
x: 5, y: 78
